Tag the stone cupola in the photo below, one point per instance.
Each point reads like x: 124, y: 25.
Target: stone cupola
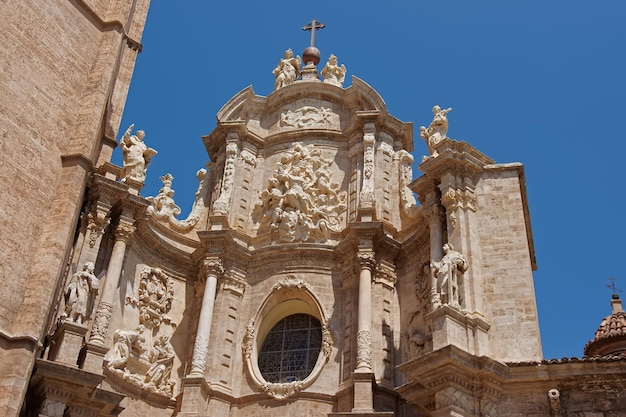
x: 610, y: 338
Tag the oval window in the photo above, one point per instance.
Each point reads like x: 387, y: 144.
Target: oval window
x: 290, y: 350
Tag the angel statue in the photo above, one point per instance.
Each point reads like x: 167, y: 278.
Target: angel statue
x: 287, y: 70
x: 136, y: 155
x: 333, y: 73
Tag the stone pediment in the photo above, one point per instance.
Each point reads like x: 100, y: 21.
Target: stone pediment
x: 299, y: 106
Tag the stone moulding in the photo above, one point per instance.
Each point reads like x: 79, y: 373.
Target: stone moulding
x: 300, y: 298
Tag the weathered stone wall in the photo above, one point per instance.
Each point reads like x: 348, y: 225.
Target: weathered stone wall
x: 509, y: 297
x: 63, y: 63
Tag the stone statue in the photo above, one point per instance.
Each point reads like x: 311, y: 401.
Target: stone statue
x: 333, y: 73
x: 438, y: 129
x: 287, y: 70
x: 136, y: 155
x: 163, y: 206
x: 80, y: 292
x: 124, y: 342
x: 449, y: 272
x: 161, y: 357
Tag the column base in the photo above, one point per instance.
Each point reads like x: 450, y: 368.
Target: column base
x: 93, y: 357
x: 195, y: 392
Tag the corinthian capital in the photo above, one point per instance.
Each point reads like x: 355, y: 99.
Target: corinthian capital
x: 213, y: 267
x: 367, y: 260
x: 124, y: 232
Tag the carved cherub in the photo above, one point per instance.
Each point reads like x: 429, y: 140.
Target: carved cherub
x: 287, y: 70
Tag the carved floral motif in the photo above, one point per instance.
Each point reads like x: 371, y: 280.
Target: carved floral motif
x: 101, y: 322
x: 96, y: 223
x: 291, y: 282
x: 367, y: 189
x: 301, y: 202
x: 283, y: 390
x: 364, y: 349
x: 248, y: 340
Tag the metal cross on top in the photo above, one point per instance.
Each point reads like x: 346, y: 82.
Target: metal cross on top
x: 312, y: 27
x: 612, y: 285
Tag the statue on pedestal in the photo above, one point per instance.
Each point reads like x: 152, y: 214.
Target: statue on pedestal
x: 333, y: 73
x: 287, y: 70
x: 449, y: 272
x: 438, y: 129
x: 80, y: 292
x: 136, y: 155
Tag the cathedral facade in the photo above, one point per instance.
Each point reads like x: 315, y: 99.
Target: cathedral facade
x: 314, y: 274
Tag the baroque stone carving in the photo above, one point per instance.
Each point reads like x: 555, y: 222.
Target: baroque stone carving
x: 422, y: 283
x: 367, y: 260
x: 161, y: 358
x: 163, y: 207
x: 386, y: 275
x: 301, y: 202
x: 283, y: 390
x: 248, y: 340
x: 136, y: 155
x: 307, y: 117
x: 101, y: 322
x: 327, y: 341
x: 454, y: 199
x: 154, y: 298
x: 148, y: 369
x: 233, y: 284
x: 364, y: 349
x: 291, y: 282
x: 438, y: 129
x: 223, y: 202
x: 80, y: 293
x: 449, y: 272
x: 96, y: 224
x: 367, y: 189
x: 200, y: 350
x: 333, y: 73
x: 287, y: 70
x: 407, y: 198
x: 124, y: 343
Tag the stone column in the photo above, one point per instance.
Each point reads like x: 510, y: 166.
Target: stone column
x: 213, y: 268
x: 367, y: 263
x: 123, y: 234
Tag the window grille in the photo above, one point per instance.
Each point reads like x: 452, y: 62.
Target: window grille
x: 291, y: 348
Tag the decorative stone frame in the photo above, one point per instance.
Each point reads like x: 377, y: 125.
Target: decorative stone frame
x: 289, y: 296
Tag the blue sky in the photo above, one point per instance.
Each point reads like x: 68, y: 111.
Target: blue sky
x: 537, y: 82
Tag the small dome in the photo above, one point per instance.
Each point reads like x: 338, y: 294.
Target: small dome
x: 610, y: 338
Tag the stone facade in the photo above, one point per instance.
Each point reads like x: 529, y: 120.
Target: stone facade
x: 307, y: 277
x: 66, y: 69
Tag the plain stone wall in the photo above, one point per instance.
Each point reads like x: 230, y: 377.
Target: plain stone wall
x: 59, y: 63
x: 509, y: 296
